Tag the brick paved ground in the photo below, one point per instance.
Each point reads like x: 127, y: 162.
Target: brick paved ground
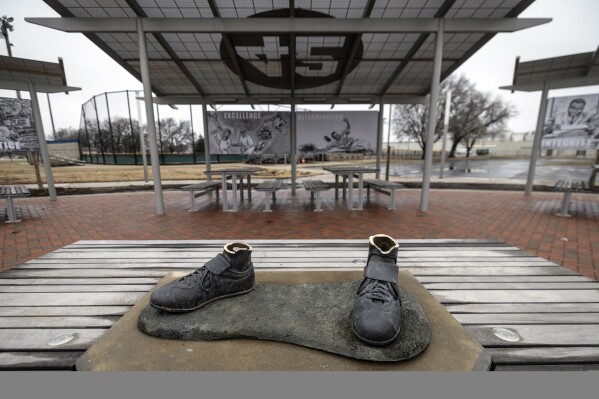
x: 526, y: 222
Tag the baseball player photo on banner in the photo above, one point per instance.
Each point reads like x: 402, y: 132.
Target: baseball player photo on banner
x: 17, y: 129
x: 337, y: 132
x: 572, y: 123
x: 249, y: 132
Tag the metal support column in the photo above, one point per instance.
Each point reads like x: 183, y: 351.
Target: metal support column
x: 41, y: 138
x: 207, y: 142
x: 536, y: 144
x: 51, y: 116
x: 160, y: 134
x: 99, y: 132
x: 388, y: 144
x: 110, y: 128
x: 193, y: 142
x: 89, y: 143
x: 445, y: 128
x: 142, y: 139
x: 293, y: 146
x: 131, y: 127
x: 432, y: 116
x: 379, y: 140
x: 145, y: 77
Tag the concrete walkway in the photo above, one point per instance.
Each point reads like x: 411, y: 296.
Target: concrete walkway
x: 526, y: 222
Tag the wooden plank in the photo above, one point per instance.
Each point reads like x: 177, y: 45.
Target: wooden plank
x: 284, y: 249
x: 538, y: 335
x: 507, y: 296
x: 548, y: 367
x: 503, y: 279
x: 160, y: 272
x: 545, y: 355
x: 108, y: 264
x: 292, y: 262
x: 70, y: 299
x: 76, y: 281
x: 523, y: 308
x: 20, y: 339
x: 38, y: 360
x: 513, y: 286
x: 491, y: 271
x: 528, y: 318
x: 503, y: 262
x: 92, y: 273
x: 29, y: 311
x: 432, y: 255
x: 58, y: 322
x: 285, y: 242
x: 176, y: 266
x: 77, y: 288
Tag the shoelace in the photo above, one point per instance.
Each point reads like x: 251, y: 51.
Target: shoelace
x: 202, y: 275
x: 379, y: 290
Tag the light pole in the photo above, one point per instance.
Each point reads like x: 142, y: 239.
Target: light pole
x: 6, y: 27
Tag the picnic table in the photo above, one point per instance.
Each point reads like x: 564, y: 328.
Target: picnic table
x: 10, y: 192
x: 348, y: 172
x: 529, y: 313
x: 234, y: 173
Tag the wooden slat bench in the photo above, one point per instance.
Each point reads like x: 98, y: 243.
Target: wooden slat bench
x: 567, y: 187
x: 199, y: 189
x: 380, y: 185
x: 316, y: 186
x: 10, y: 192
x: 528, y: 312
x: 269, y: 187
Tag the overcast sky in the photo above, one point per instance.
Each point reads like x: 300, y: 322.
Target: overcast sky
x: 574, y: 29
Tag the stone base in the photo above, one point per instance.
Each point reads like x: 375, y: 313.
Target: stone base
x: 125, y: 348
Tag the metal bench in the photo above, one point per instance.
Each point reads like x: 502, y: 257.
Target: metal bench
x: 316, y: 186
x: 10, y: 192
x: 379, y: 185
x: 567, y: 186
x: 199, y: 189
x: 269, y: 187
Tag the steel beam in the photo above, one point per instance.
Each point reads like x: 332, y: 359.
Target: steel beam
x: 536, y: 144
x: 147, y: 85
x: 432, y: 118
x: 555, y: 84
x: 39, y: 87
x: 379, y: 140
x: 293, y: 155
x: 316, y: 99
x: 207, y: 155
x: 289, y: 25
x: 41, y: 138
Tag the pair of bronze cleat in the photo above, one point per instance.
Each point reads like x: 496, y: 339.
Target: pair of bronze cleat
x: 376, y: 315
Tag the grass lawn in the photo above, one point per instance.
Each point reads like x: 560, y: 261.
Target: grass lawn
x: 20, y: 172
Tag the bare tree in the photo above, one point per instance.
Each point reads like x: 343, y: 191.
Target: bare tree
x: 67, y: 133
x: 473, y: 115
x: 176, y: 137
x: 410, y: 120
x: 480, y: 116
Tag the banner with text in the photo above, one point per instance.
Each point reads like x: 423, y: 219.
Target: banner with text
x: 17, y: 129
x: 572, y: 123
x: 249, y: 132
x: 337, y: 132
